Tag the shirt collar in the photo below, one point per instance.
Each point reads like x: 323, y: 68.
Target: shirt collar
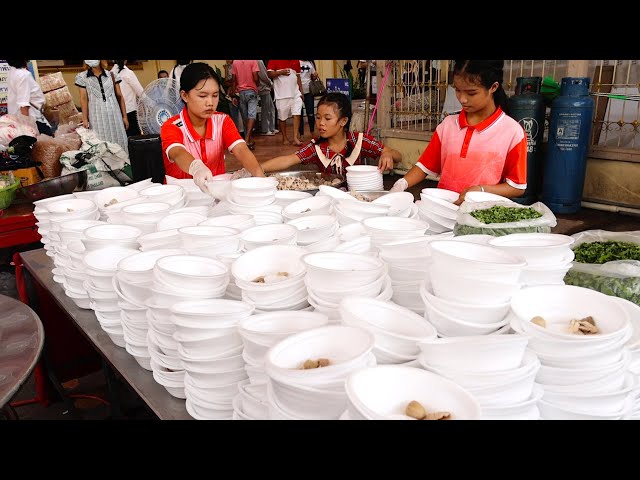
x: 191, y: 132
x: 91, y: 74
x: 483, y: 125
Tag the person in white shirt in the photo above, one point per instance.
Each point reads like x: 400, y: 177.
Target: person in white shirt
x: 131, y: 90
x: 177, y: 70
x: 24, y: 95
x: 308, y: 73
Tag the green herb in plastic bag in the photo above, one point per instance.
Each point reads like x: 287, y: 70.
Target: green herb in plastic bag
x: 500, y: 214
x: 609, y: 251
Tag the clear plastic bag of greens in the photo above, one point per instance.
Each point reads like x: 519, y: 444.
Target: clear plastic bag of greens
x: 608, y: 262
x: 500, y: 217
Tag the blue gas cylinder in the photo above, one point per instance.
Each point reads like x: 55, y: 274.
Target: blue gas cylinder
x: 568, y: 145
x: 528, y: 109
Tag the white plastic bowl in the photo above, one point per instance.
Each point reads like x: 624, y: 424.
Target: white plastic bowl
x: 478, y: 353
x: 341, y: 270
x: 273, y: 234
x: 308, y: 206
x: 537, y: 248
x: 313, y: 228
x: 267, y: 260
x: 384, y: 391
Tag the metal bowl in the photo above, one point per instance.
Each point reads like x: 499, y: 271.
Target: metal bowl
x: 370, y: 195
x: 54, y: 186
x: 313, y: 176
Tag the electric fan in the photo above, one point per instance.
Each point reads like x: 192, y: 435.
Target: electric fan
x: 159, y: 101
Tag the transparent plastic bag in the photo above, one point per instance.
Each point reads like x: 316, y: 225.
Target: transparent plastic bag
x: 620, y: 278
x: 466, y: 224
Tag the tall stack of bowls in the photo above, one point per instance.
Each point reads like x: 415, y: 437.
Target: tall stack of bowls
x: 364, y: 178
x: 350, y: 210
x: 294, y: 392
x: 259, y: 333
x: 548, y: 255
x: 209, y: 353
x: 384, y: 391
x: 476, y: 279
x: 583, y: 376
x: 174, y: 195
x: 308, y: 206
x: 194, y: 196
x: 132, y: 283
x: 271, y: 278
x: 316, y: 232
x: 437, y: 208
x: 493, y: 368
x: 397, y: 330
x: 332, y: 276
x: 255, y: 196
x: 271, y: 234
x: 178, y: 278
x: 220, y: 186
x: 112, y: 199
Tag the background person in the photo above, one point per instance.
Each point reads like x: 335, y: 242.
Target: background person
x: 481, y: 148
x: 163, y: 74
x: 195, y: 140
x: 336, y: 147
x: 307, y: 73
x: 131, y: 90
x: 25, y: 96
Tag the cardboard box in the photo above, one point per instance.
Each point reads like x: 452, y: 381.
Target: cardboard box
x: 27, y: 176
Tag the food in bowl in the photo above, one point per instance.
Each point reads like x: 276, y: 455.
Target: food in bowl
x: 416, y: 410
x: 538, y: 320
x: 286, y: 182
x: 583, y: 326
x: 271, y: 278
x: 311, y: 363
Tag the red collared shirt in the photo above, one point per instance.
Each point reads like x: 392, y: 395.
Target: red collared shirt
x: 221, y: 134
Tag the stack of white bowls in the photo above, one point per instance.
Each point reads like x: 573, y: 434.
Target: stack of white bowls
x: 470, y: 274
x: 144, y: 215
x: 132, y: 283
x: 259, y: 333
x: 315, y: 393
x: 316, y: 232
x: 101, y: 265
x: 64, y: 263
x: 332, y: 276
x: 109, y: 199
x: 351, y: 210
x: 437, y: 208
x: 220, y: 186
x: 285, y: 197
x: 210, y: 241
x: 238, y: 221
x: 182, y: 217
x: 354, y: 239
x: 364, y: 178
x: 194, y: 196
x: 271, y: 234
x: 271, y: 278
x: 583, y: 376
x: 390, y: 229
x: 174, y: 195
x: 549, y: 255
x: 492, y: 368
x: 400, y: 203
x: 308, y: 206
x: 209, y: 354
x: 253, y: 191
x: 384, y: 391
x: 160, y: 240
x: 397, y: 330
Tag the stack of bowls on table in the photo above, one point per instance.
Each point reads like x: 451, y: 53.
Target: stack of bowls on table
x: 174, y: 195
x: 113, y: 199
x: 307, y: 207
x: 220, y: 186
x: 332, y: 276
x: 140, y: 185
x: 210, y: 363
x: 144, y: 215
x: 132, y: 283
x: 273, y: 234
x: 178, y: 278
x: 493, y: 368
x: 101, y: 265
x: 353, y: 211
x: 548, y: 255
x: 238, y: 221
x: 584, y: 376
x: 76, y: 252
x: 364, y: 178
x: 390, y: 229
x: 253, y: 191
x: 194, y: 196
x: 66, y: 232
x: 160, y: 240
x: 397, y: 330
x: 299, y: 386
x: 354, y: 239
x: 271, y: 278
x: 475, y: 282
x: 383, y: 392
x: 437, y: 208
x: 316, y: 232
x: 61, y: 211
x: 176, y: 219
x: 209, y: 241
x: 285, y: 197
x: 400, y: 203
x: 259, y: 333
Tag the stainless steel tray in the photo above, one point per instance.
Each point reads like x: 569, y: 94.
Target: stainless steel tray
x: 371, y: 195
x: 311, y: 176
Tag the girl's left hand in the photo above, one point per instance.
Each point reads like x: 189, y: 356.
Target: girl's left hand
x: 125, y: 120
x: 385, y: 163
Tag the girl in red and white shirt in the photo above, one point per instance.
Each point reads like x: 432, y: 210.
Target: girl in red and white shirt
x: 336, y: 147
x: 195, y: 140
x: 481, y: 148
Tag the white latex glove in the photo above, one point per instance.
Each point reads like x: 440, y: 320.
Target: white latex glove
x: 400, y: 186
x: 201, y: 174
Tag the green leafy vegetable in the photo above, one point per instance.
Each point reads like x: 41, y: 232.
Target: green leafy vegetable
x: 627, y: 288
x: 460, y: 229
x: 609, y: 251
x: 501, y: 214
